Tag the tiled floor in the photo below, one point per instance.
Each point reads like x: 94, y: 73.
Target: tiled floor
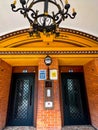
x: 78, y: 128
x: 65, y: 128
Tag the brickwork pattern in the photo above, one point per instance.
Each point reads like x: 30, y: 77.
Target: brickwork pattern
x: 20, y: 69
x: 48, y: 119
x: 5, y: 79
x: 66, y: 69
x: 91, y: 78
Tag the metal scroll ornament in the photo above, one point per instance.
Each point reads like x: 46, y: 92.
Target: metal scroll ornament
x: 44, y: 15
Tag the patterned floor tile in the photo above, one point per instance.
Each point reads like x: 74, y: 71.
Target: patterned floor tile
x: 78, y: 128
x: 64, y: 128
x: 19, y: 128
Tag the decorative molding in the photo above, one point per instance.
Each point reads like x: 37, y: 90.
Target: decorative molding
x: 49, y: 52
x: 80, y: 33
x: 61, y: 29
x: 13, y: 34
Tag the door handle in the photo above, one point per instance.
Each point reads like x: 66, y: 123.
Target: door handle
x: 30, y: 95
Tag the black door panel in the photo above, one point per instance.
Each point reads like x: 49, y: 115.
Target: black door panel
x: 21, y: 107
x: 74, y: 99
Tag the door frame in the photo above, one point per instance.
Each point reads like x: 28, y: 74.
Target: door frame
x: 35, y: 95
x: 75, y: 69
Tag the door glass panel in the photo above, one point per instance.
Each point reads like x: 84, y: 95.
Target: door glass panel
x: 21, y: 100
x: 74, y: 97
x: 22, y: 96
x: 75, y: 109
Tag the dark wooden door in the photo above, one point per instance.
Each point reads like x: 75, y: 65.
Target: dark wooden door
x: 75, y: 108
x: 21, y: 107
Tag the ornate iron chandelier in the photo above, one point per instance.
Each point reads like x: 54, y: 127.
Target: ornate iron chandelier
x: 40, y: 16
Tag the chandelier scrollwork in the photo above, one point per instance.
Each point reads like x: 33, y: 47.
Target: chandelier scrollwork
x: 45, y: 21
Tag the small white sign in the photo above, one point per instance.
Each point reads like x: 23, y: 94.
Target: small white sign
x: 48, y: 104
x: 70, y: 71
x: 42, y: 74
x: 48, y: 93
x: 25, y: 71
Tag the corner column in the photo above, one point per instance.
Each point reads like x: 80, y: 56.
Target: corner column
x: 5, y: 80
x: 91, y: 78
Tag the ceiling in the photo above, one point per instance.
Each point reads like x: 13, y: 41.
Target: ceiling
x: 86, y: 19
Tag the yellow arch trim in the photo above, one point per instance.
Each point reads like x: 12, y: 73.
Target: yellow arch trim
x: 70, y: 48
x: 67, y: 38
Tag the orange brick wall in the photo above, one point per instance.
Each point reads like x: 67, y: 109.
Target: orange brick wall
x: 19, y: 69
x: 73, y: 68
x: 5, y: 78
x: 91, y: 78
x: 47, y: 119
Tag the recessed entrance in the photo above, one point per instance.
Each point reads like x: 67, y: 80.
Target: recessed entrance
x: 75, y: 108
x: 21, y: 103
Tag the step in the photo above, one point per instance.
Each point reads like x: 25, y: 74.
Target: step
x: 64, y: 128
x: 78, y: 128
x: 19, y: 128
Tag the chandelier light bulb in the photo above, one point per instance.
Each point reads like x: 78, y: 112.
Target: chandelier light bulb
x: 66, y: 1
x: 14, y: 2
